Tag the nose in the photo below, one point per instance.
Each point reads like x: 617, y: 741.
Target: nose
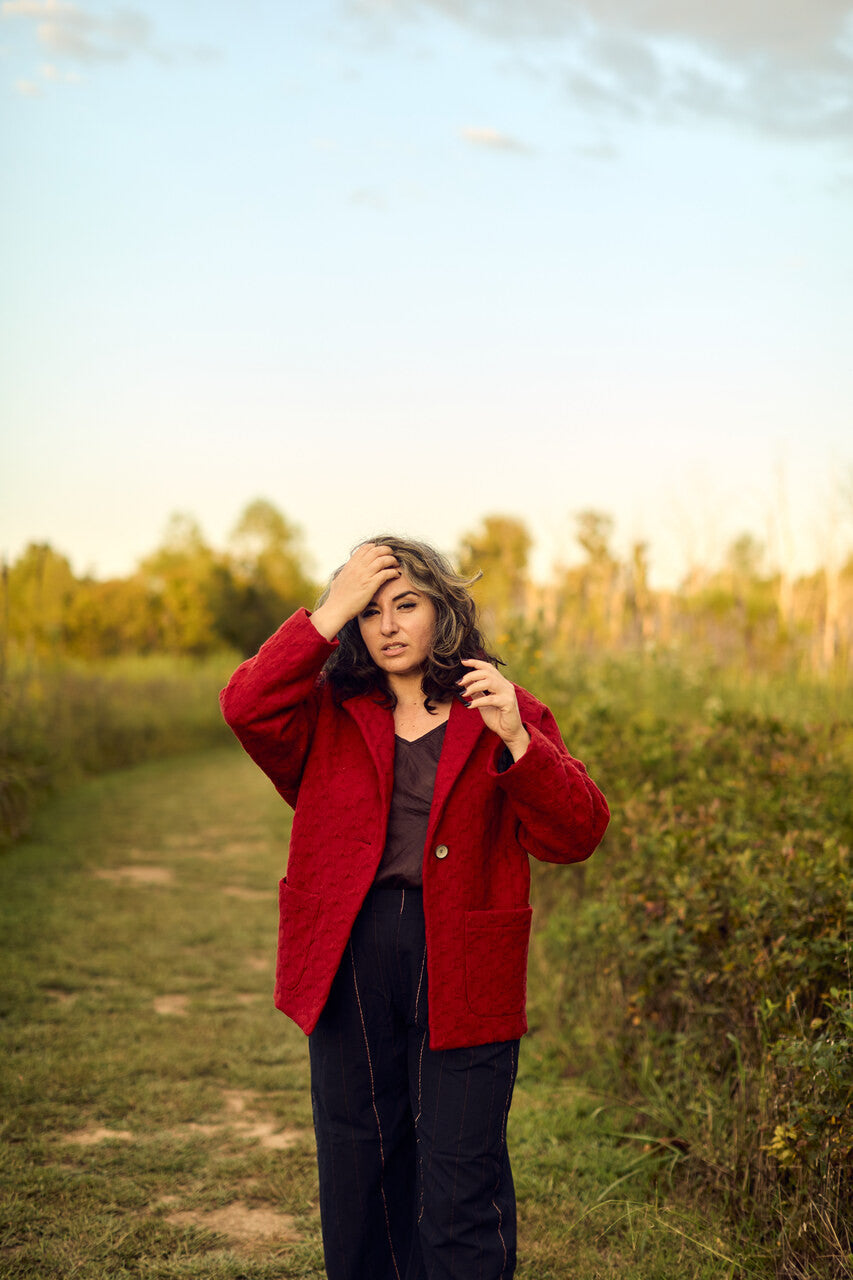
x: 388, y: 622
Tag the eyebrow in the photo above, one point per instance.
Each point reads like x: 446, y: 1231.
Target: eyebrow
x: 411, y: 592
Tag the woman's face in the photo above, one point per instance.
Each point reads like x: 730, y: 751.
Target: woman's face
x: 398, y: 626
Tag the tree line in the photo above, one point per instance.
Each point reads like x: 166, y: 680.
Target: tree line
x: 188, y: 598
x: 184, y: 598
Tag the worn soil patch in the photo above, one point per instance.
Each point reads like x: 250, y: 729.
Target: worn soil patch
x: 185, y: 840
x: 247, y: 895
x: 241, y: 1120
x: 259, y: 962
x: 92, y: 1136
x: 240, y: 1223
x: 237, y: 1100
x: 271, y: 1138
x: 59, y: 995
x: 257, y: 1127
x: 246, y: 1124
x: 174, y: 1006
x: 136, y: 875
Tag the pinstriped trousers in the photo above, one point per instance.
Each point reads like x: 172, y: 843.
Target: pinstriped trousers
x: 415, y: 1179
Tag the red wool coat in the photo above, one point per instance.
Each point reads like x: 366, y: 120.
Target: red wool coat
x: 335, y: 766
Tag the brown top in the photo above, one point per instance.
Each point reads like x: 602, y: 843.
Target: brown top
x: 415, y: 767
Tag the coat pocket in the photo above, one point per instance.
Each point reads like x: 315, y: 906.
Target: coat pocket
x: 496, y: 945
x: 297, y: 915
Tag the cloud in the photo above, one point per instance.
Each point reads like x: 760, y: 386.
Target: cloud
x: 784, y: 31
x: 28, y: 88
x: 71, y: 31
x: 492, y: 139
x: 504, y: 19
x: 784, y: 67
x: 789, y: 28
x: 51, y: 72
x: 31, y: 8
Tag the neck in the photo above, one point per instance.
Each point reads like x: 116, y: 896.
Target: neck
x: 407, y: 689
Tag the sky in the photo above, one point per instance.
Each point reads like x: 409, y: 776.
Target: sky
x: 395, y: 265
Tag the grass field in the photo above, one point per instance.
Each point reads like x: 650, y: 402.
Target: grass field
x: 157, y: 1119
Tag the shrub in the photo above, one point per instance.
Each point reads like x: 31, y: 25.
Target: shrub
x: 713, y: 940
x: 68, y: 720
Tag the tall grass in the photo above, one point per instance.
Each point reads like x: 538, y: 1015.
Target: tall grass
x: 708, y: 942
x: 698, y: 967
x: 60, y: 721
x: 156, y: 1102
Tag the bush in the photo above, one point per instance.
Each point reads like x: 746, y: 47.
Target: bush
x: 65, y: 721
x: 712, y: 944
x: 700, y: 962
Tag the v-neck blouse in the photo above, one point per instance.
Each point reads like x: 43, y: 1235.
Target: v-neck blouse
x: 415, y: 767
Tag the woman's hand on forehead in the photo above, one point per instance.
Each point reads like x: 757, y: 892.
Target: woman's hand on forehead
x: 369, y: 567
x: 354, y: 586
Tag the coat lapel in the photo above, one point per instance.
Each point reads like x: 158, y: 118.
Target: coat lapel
x: 377, y: 728
x: 463, y: 732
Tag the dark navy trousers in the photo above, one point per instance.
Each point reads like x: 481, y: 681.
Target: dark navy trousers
x: 415, y: 1179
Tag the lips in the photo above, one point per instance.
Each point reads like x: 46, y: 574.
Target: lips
x: 391, y: 649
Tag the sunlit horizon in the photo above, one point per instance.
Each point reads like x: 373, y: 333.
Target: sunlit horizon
x: 404, y: 266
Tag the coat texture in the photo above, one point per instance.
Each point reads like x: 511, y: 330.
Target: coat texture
x: 335, y: 766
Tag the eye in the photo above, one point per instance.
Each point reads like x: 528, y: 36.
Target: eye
x: 408, y: 604
x: 369, y: 612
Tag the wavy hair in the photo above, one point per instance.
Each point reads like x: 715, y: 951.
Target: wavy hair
x: 351, y: 670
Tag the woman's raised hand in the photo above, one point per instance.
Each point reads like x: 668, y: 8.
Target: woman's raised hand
x: 490, y: 693
x: 354, y: 586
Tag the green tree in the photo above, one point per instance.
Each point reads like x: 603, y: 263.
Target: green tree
x: 121, y: 615
x: 268, y: 577
x: 592, y: 595
x: 732, y: 613
x: 744, y: 558
x: 184, y: 579
x: 593, y: 530
x: 499, y: 549
x: 40, y: 586
x: 639, y: 599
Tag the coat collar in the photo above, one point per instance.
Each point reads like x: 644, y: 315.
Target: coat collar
x: 377, y: 728
x: 463, y: 731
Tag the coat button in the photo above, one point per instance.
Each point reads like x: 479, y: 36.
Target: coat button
x: 441, y: 850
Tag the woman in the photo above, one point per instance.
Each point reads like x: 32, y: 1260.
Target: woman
x: 421, y: 779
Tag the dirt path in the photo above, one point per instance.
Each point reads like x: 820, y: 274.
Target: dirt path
x: 158, y: 1120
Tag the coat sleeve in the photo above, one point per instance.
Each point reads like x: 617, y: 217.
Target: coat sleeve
x: 562, y: 814
x: 272, y: 700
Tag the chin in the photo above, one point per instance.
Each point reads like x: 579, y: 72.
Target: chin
x: 399, y: 666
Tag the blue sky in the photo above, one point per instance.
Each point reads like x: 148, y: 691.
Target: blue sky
x: 399, y: 264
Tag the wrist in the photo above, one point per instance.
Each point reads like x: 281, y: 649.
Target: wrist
x: 518, y: 743
x: 328, y: 621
